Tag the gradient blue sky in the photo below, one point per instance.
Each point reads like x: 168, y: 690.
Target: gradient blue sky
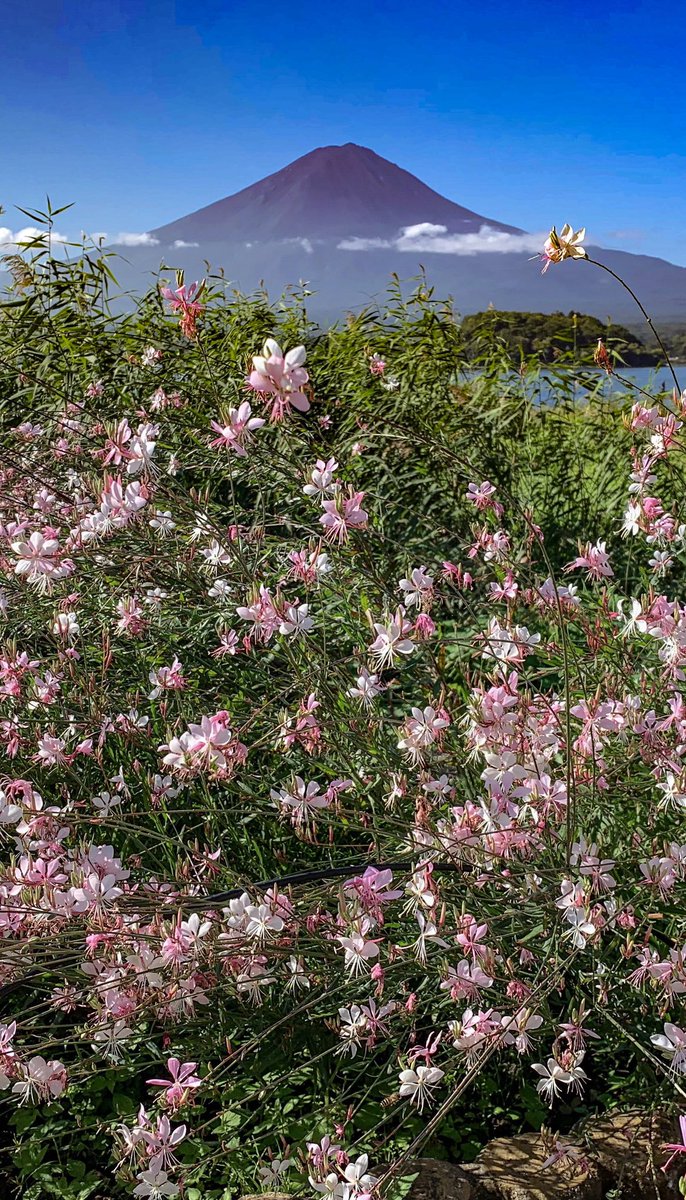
x: 533, y: 113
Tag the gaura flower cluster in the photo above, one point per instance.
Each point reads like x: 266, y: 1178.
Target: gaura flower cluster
x: 263, y: 773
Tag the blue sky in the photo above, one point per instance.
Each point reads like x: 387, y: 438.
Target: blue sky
x: 533, y: 113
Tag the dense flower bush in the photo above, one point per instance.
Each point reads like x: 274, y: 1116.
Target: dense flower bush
x: 337, y: 779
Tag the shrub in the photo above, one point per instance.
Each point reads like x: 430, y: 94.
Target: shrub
x: 342, y: 793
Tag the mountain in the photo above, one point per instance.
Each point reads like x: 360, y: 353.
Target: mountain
x: 332, y: 193
x: 345, y: 220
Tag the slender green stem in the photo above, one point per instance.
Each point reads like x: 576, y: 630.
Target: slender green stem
x: 634, y: 297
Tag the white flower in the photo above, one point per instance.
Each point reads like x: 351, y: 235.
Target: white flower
x: 321, y: 478
x: 356, y: 1174
x: 419, y: 890
x: 672, y: 788
x: 155, y: 1184
x: 552, y: 1076
x: 508, y: 645
x: 391, y: 639
x: 220, y: 590
x: 417, y: 1085
x: 428, y: 932
x: 10, y: 812
x: 672, y: 1043
x: 367, y: 687
x: 271, y: 1173
x: 262, y: 922
x: 215, y: 556
x: 296, y: 975
x: 565, y: 244
x: 660, y: 562
x: 417, y: 587
x: 354, y: 1024
x: 634, y: 621
x: 632, y: 518
x: 107, y: 1039
x: 142, y: 449
x: 66, y: 625
x: 163, y: 523
x: 331, y: 1186
x: 517, y: 1029
x: 296, y: 619
x: 358, y: 950
x: 40, y: 1080
x: 302, y: 801
x: 104, y: 803
x: 420, y: 731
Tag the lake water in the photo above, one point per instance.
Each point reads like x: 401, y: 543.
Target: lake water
x: 591, y: 380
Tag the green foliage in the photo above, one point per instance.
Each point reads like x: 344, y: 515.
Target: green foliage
x: 563, y: 464
x: 553, y: 336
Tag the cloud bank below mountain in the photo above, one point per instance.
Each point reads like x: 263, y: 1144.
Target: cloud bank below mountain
x: 426, y: 237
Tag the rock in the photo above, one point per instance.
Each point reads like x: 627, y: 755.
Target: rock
x: 628, y: 1149
x: 512, y: 1169
x: 438, y: 1180
x: 268, y: 1196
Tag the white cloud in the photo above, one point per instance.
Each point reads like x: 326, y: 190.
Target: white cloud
x: 180, y: 244
x: 135, y: 239
x: 424, y: 227
x: 305, y: 243
x: 23, y: 237
x: 435, y: 239
x: 358, y: 243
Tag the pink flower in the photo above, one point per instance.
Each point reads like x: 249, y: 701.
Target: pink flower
x: 239, y: 429
x: 594, y: 559
x: 481, y: 496
x: 185, y: 300
x: 209, y: 746
x: 280, y: 379
x: 40, y: 1080
x: 371, y: 889
x: 37, y: 559
x: 342, y: 514
x: 167, y: 679
x: 420, y: 730
x: 676, y: 1147
x: 391, y: 639
x: 182, y: 1081
x: 424, y: 627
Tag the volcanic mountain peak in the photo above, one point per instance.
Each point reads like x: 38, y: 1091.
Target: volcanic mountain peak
x: 332, y: 192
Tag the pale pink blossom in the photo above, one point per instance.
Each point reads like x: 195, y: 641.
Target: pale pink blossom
x: 237, y: 432
x: 280, y: 379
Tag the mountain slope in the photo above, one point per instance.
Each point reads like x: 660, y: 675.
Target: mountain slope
x: 333, y: 192
x: 343, y: 281
x: 333, y: 217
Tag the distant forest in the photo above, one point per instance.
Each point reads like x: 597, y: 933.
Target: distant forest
x: 550, y: 336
